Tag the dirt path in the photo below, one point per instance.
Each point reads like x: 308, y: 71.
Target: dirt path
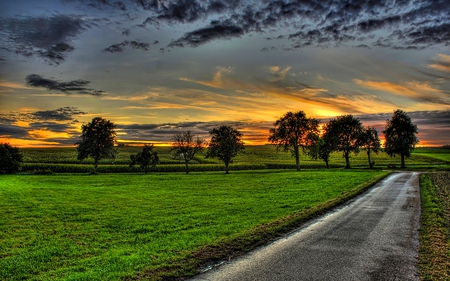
x: 375, y: 237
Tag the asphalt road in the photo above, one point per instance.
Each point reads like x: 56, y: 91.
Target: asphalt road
x: 374, y: 237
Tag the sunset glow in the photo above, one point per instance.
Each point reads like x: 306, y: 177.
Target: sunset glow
x: 157, y: 68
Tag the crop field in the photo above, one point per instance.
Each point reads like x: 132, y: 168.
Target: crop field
x: 254, y: 157
x: 136, y: 226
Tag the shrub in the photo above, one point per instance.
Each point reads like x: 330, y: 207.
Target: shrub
x: 10, y: 159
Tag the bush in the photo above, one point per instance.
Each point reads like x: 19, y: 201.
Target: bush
x: 10, y: 159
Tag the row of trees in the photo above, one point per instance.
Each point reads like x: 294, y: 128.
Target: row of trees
x: 98, y: 139
x: 293, y: 132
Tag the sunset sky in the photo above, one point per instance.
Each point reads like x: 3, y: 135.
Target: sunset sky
x: 159, y: 67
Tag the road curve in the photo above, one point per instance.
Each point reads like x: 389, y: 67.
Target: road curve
x: 375, y: 237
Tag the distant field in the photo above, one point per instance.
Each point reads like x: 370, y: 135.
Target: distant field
x: 119, y: 226
x: 254, y: 157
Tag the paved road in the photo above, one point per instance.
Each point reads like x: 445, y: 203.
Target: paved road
x: 373, y: 238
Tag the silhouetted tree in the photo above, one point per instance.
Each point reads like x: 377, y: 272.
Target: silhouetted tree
x: 97, y: 141
x: 10, y: 159
x: 146, y: 159
x: 371, y: 142
x: 225, y: 144
x: 343, y: 134
x: 400, y: 136
x: 185, y: 146
x: 294, y: 131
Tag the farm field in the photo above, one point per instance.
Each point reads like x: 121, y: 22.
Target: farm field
x: 254, y: 157
x: 135, y: 226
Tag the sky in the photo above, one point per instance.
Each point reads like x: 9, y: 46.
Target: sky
x: 158, y: 67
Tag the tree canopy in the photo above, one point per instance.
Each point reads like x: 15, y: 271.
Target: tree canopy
x: 185, y: 146
x: 10, y: 159
x: 225, y: 144
x: 294, y: 131
x: 146, y: 159
x: 400, y: 136
x: 97, y: 140
x: 344, y: 134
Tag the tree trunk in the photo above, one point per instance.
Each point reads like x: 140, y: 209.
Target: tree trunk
x: 403, y: 160
x: 95, y: 165
x: 297, y: 158
x: 187, y: 167
x: 326, y: 163
x: 368, y: 156
x: 347, y: 160
x: 226, y: 168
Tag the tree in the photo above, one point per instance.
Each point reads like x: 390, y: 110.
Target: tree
x: 400, y: 136
x: 343, y: 134
x: 97, y: 141
x: 10, y: 159
x: 324, y: 151
x: 370, y: 140
x: 185, y: 147
x: 294, y: 131
x: 225, y: 144
x: 146, y: 159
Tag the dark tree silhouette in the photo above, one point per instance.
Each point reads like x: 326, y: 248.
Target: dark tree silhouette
x: 185, y: 146
x: 10, y: 159
x: 225, y: 144
x: 146, y: 159
x: 295, y: 131
x: 97, y: 141
x: 371, y: 142
x: 400, y: 136
x: 343, y: 134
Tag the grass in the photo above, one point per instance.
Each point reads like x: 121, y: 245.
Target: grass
x: 434, y: 250
x: 122, y: 226
x: 253, y: 157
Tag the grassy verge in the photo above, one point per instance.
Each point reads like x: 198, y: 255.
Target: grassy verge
x: 434, y: 251
x: 153, y: 227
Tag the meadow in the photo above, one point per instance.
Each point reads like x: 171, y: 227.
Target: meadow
x: 166, y: 224
x: 133, y: 226
x: 253, y: 158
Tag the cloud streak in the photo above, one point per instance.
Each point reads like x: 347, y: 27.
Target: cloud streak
x: 75, y: 86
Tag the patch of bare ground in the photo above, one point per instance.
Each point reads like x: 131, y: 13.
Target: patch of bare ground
x: 434, y: 251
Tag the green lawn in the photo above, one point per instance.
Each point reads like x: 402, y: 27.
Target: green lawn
x: 119, y: 226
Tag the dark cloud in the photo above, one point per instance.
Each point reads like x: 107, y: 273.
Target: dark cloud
x: 216, y: 30
x: 60, y: 120
x: 75, y: 86
x: 12, y: 131
x: 47, y: 37
x: 119, y: 48
x: 319, y: 23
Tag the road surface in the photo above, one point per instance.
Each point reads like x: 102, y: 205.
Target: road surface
x: 375, y: 237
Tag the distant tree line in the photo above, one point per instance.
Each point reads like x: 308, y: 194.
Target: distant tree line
x: 294, y: 132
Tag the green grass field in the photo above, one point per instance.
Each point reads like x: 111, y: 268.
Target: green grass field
x: 119, y: 226
x: 254, y: 157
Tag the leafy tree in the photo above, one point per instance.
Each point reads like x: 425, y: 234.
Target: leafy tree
x: 371, y: 141
x: 185, y: 147
x: 400, y: 136
x: 225, y: 144
x: 10, y: 159
x: 324, y: 151
x: 146, y: 159
x: 343, y: 134
x: 294, y: 131
x: 97, y: 141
